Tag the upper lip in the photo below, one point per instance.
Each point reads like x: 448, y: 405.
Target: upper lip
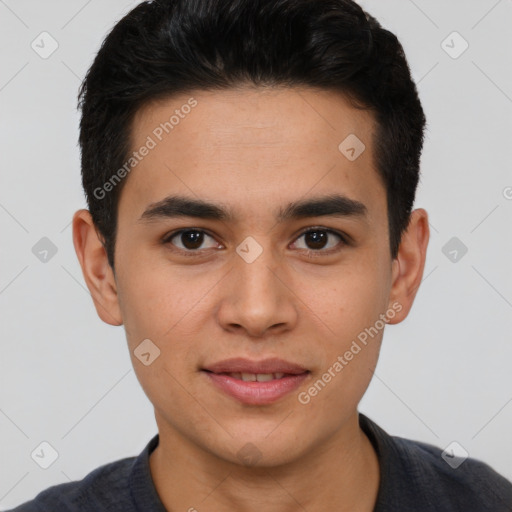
x: 242, y: 365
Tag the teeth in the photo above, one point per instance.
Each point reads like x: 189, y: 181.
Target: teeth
x: 264, y: 377
x: 256, y: 377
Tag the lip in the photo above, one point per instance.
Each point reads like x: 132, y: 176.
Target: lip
x: 256, y: 393
x: 242, y: 365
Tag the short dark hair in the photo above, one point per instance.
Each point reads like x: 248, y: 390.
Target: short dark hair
x: 166, y: 47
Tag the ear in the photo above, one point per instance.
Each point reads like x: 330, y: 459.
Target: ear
x: 408, y: 266
x: 98, y: 273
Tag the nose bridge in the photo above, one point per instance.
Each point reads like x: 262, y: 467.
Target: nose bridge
x: 255, y: 270
x: 257, y: 299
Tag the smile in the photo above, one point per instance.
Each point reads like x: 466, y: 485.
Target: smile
x: 253, y: 377
x: 255, y: 382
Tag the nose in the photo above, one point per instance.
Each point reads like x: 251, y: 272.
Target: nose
x: 257, y: 299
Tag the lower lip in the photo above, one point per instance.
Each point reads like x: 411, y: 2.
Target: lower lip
x: 257, y: 393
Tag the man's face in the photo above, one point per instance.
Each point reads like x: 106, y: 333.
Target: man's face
x: 254, y: 286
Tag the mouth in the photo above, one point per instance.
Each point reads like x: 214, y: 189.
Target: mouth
x: 256, y: 382
x: 254, y: 377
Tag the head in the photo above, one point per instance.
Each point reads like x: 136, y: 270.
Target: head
x: 214, y: 136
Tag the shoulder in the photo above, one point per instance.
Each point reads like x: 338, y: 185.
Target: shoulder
x: 472, y: 484
x: 416, y: 476
x: 98, y: 490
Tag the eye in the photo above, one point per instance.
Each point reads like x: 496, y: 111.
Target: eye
x: 191, y: 240
x: 314, y: 240
x: 318, y: 240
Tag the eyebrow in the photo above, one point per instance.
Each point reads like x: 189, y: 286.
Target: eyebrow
x: 181, y: 206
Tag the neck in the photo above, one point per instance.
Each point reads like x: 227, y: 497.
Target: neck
x: 342, y: 474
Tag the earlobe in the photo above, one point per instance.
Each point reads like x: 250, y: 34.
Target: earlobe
x: 97, y: 272
x: 409, y: 264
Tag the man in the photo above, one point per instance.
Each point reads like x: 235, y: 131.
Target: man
x: 250, y: 168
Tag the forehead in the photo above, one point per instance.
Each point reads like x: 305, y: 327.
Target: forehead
x: 279, y: 117
x: 253, y: 145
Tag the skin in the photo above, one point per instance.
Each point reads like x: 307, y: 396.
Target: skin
x: 255, y: 150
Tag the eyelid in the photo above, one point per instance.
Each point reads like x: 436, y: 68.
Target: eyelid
x: 169, y: 236
x: 345, y: 239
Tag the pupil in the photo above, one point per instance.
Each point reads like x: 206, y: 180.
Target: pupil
x: 316, y: 239
x: 192, y: 239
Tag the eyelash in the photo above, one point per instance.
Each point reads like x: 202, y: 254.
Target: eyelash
x: 310, y: 253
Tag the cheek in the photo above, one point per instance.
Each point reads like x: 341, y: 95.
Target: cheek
x: 144, y: 281
x: 351, y: 309
x: 155, y: 307
x: 149, y: 301
x: 357, y: 297
x: 141, y: 304
x: 166, y: 306
x: 351, y: 346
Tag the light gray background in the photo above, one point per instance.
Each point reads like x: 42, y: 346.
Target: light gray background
x: 66, y: 378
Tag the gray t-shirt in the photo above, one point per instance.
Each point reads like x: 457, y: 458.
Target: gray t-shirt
x: 413, y: 478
